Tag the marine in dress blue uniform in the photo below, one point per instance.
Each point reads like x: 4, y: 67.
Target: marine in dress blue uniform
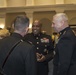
x: 44, y: 47
x: 65, y: 50
x: 22, y: 60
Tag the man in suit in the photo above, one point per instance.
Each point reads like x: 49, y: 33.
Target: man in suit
x: 22, y: 60
x: 44, y: 47
x: 65, y: 50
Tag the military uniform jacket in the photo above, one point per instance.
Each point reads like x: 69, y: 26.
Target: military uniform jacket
x: 65, y: 54
x: 43, y: 45
x: 22, y: 60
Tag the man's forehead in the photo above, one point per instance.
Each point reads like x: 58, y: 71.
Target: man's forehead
x: 36, y: 24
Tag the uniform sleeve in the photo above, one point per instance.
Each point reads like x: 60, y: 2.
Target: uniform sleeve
x: 50, y: 49
x: 31, y: 63
x: 65, y: 48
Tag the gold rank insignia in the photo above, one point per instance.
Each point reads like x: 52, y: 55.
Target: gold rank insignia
x: 74, y: 32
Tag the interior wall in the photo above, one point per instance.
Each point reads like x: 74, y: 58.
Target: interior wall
x: 69, y: 1
x: 16, y: 3
x: 71, y: 16
x: 44, y: 2
x: 46, y: 26
x: 10, y: 18
x: 2, y: 3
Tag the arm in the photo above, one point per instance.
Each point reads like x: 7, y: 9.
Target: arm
x: 30, y: 62
x: 49, y: 52
x: 65, y: 48
x: 50, y: 49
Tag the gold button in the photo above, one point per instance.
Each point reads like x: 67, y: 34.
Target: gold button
x: 37, y: 47
x: 45, y: 50
x: 36, y: 37
x: 45, y: 45
x: 37, y: 42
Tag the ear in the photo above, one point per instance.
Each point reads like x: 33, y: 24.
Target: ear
x: 13, y: 26
x: 27, y: 29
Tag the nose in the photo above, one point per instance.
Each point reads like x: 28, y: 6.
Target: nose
x: 34, y: 27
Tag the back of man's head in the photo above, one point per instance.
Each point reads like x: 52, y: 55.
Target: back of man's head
x: 21, y: 22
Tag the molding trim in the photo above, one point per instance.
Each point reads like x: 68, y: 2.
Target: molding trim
x: 56, y: 8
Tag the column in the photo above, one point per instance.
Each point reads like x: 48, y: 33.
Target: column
x: 2, y: 20
x: 70, y: 1
x: 59, y: 1
x: 29, y: 2
x: 44, y: 2
x: 2, y: 3
x: 15, y: 3
x: 29, y: 14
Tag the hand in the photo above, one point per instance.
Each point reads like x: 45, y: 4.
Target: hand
x: 40, y: 57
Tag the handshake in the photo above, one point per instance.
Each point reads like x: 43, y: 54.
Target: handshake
x: 40, y: 57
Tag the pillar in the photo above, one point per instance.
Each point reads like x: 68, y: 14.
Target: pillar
x: 2, y: 20
x: 29, y: 14
x: 59, y: 1
x: 29, y: 2
x: 16, y: 3
x: 2, y: 3
x: 44, y: 2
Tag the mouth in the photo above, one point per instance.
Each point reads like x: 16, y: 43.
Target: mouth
x: 34, y: 30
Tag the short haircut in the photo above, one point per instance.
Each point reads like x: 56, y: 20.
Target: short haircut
x: 62, y: 16
x: 21, y: 22
x: 38, y: 22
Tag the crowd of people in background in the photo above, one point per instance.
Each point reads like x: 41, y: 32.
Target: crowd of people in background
x: 32, y: 54
x: 4, y: 33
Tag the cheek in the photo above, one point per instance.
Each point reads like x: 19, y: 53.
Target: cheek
x: 54, y: 26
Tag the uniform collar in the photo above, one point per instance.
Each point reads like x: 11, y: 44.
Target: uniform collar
x: 37, y: 34
x: 63, y: 31
x: 17, y: 35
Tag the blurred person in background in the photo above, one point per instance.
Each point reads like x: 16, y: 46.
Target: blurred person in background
x: 4, y: 33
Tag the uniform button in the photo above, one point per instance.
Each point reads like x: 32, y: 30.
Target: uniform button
x: 37, y: 42
x: 45, y: 45
x: 37, y: 47
x: 36, y: 37
x: 45, y: 50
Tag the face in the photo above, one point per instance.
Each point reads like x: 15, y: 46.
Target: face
x: 36, y: 27
x: 56, y: 24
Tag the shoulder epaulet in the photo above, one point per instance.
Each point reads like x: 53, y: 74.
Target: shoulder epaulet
x: 74, y: 32
x: 30, y: 42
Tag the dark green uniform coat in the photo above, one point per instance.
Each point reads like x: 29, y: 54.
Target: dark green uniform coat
x: 22, y: 60
x: 65, y: 54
